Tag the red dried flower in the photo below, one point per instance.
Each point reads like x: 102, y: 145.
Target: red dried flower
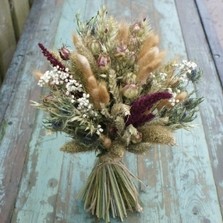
x: 50, y: 57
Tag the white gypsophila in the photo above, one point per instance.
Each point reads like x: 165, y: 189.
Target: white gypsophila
x: 173, y: 100
x: 86, y: 107
x: 157, y: 80
x: 53, y: 77
x: 73, y: 86
x: 187, y: 66
x: 87, y: 111
x: 163, y: 76
x: 99, y: 130
x: 58, y: 77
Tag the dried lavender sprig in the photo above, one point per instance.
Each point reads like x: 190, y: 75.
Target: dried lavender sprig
x: 50, y: 57
x: 146, y: 102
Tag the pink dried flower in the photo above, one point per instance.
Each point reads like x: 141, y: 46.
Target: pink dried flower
x: 130, y: 91
x: 104, y: 62
x: 121, y: 48
x: 64, y: 53
x: 136, y: 27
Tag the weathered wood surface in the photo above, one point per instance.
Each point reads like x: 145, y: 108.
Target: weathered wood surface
x: 13, y: 15
x: 214, y: 8
x: 16, y: 115
x: 38, y: 183
x: 19, y: 12
x: 7, y: 38
x: 211, y: 16
x: 210, y: 87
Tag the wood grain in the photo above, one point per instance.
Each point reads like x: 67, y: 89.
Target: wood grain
x: 16, y: 112
x: 212, y: 17
x: 19, y: 12
x: 7, y: 38
x: 210, y: 88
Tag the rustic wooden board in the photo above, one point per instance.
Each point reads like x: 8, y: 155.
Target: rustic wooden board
x: 7, y: 38
x: 181, y: 186
x: 210, y: 88
x: 212, y: 9
x: 19, y: 12
x: 211, y: 16
x: 16, y: 115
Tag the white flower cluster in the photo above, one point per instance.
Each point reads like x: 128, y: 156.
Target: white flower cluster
x: 158, y: 79
x: 186, y: 66
x: 86, y: 107
x: 163, y: 76
x: 57, y: 77
x: 73, y: 86
x: 173, y: 100
x: 84, y: 103
x: 99, y: 130
x: 54, y: 77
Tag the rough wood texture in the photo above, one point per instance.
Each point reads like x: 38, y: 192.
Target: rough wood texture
x: 210, y: 88
x: 211, y: 16
x: 17, y: 117
x: 38, y: 183
x: 19, y: 12
x: 13, y: 15
x: 7, y: 38
x: 214, y: 9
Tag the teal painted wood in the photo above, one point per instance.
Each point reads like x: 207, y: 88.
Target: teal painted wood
x: 16, y: 114
x: 212, y: 107
x: 39, y: 186
x: 211, y: 17
x: 181, y: 187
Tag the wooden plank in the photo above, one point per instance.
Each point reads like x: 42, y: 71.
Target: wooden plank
x: 212, y: 17
x: 19, y: 12
x: 17, y: 114
x: 43, y: 203
x: 213, y: 10
x: 212, y: 107
x: 7, y: 38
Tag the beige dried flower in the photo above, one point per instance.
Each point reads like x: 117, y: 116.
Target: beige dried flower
x: 157, y: 134
x: 149, y: 58
x: 74, y: 147
x: 37, y: 74
x: 130, y: 91
x: 139, y: 148
x: 123, y: 33
x: 103, y: 94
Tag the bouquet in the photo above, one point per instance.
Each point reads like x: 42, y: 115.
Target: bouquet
x: 113, y: 95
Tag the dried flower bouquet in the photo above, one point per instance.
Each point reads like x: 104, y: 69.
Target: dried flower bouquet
x: 112, y: 95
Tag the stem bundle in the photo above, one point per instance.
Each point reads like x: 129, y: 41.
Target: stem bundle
x: 110, y: 191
